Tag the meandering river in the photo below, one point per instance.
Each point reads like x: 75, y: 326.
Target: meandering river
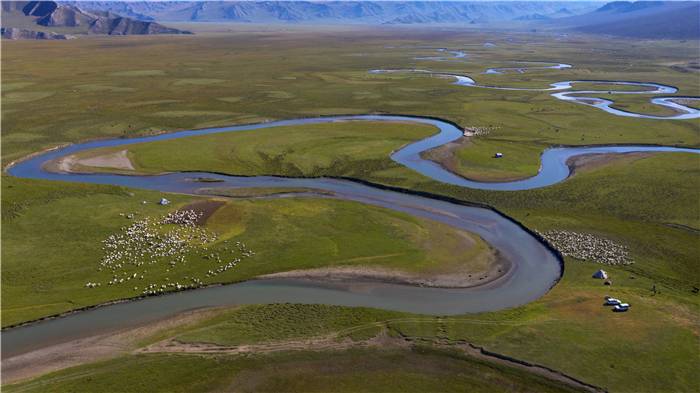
x: 579, y: 96
x: 535, y: 268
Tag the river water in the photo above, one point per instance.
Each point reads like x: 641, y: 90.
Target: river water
x: 535, y: 268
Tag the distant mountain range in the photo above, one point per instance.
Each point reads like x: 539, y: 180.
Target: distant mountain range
x: 642, y: 19
x: 37, y: 19
x: 347, y: 12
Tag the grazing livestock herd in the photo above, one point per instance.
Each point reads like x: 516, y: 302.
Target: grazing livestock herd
x: 163, y: 245
x: 587, y: 247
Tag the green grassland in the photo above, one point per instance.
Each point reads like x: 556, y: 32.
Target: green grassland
x: 285, y: 234
x: 639, y: 104
x: 568, y: 329
x: 279, y: 322
x: 353, y: 148
x: 474, y: 158
x: 361, y: 370
x: 619, y: 201
x: 127, y: 86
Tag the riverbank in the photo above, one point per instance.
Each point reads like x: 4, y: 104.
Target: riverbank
x: 499, y: 269
x: 91, y: 348
x: 222, y: 180
x: 162, y: 337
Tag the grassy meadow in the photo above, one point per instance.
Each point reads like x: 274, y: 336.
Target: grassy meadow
x: 352, y: 148
x: 128, y: 86
x: 618, y: 201
x: 408, y: 370
x: 285, y: 234
x: 568, y: 329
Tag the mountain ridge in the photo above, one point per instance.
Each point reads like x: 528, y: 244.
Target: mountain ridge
x: 30, y: 19
x: 641, y: 19
x: 357, y: 12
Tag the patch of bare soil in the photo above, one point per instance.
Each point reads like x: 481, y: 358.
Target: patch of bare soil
x: 205, y: 208
x: 118, y: 160
x: 90, y: 349
x: 61, y: 165
x: 74, y: 164
x: 457, y: 278
x: 587, y: 162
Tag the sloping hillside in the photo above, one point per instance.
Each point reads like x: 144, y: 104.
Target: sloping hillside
x: 642, y: 19
x: 42, y: 19
x: 14, y: 33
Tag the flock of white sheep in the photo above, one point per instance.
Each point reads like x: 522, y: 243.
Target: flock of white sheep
x: 173, y: 240
x: 586, y: 246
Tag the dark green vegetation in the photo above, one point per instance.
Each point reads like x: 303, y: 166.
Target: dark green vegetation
x: 361, y: 370
x: 127, y: 87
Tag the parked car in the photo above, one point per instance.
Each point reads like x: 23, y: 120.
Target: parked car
x: 611, y: 301
x: 621, y: 307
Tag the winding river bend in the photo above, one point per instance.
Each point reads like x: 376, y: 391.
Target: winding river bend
x: 522, y: 69
x: 535, y: 268
x: 578, y: 96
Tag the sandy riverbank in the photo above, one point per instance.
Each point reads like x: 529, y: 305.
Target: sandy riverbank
x: 73, y: 164
x: 90, y: 349
x: 586, y: 162
x: 458, y: 277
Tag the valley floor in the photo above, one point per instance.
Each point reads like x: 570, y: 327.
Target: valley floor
x: 52, y: 233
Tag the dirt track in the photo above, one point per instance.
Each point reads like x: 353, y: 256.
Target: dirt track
x: 382, y: 340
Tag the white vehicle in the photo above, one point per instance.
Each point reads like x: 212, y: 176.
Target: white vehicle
x: 621, y: 307
x: 611, y: 301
